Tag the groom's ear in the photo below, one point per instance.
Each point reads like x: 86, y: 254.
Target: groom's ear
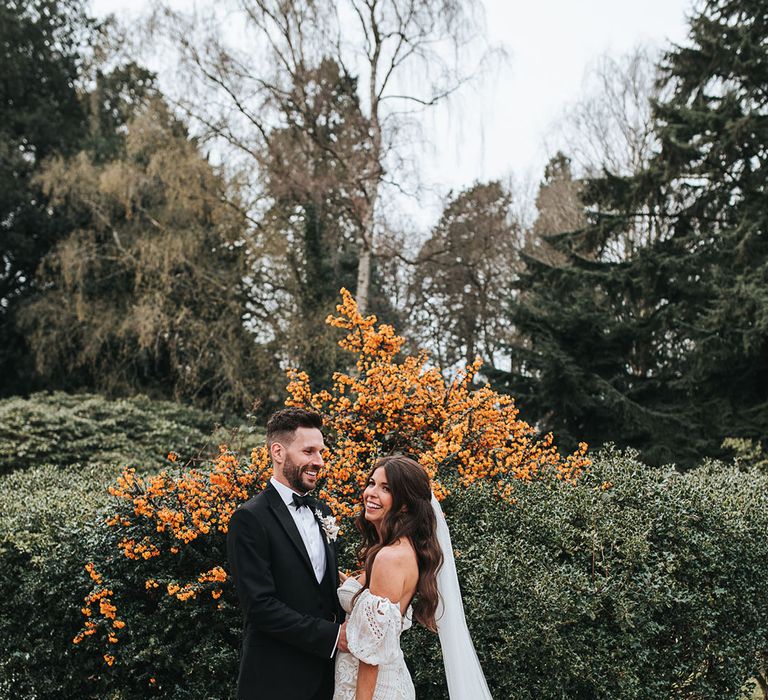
x: 277, y: 452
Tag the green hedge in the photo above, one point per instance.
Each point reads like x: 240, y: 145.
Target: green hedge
x: 635, y: 583
x: 58, y: 454
x: 63, y: 429
x: 40, y: 504
x: 51, y: 525
x: 39, y: 616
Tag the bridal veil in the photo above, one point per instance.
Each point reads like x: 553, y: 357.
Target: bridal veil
x: 462, y: 667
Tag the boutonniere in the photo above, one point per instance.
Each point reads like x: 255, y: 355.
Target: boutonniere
x: 328, y: 523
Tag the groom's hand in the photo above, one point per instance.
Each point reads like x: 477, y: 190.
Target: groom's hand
x: 342, y: 643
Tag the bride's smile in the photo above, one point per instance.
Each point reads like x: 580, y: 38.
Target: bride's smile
x: 377, y: 497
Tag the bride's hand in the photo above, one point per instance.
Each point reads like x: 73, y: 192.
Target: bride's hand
x: 342, y: 577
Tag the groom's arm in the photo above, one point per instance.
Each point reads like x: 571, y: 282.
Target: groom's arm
x: 249, y: 561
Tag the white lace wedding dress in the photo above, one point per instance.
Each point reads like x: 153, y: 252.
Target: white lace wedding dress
x: 374, y: 626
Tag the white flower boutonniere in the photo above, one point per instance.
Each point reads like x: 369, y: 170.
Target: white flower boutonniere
x: 328, y: 523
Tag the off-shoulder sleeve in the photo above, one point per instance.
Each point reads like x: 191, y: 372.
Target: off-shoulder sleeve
x: 373, y: 630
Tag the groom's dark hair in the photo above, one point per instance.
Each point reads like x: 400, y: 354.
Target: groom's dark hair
x: 287, y: 420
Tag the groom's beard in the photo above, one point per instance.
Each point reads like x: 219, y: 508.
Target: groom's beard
x: 296, y: 478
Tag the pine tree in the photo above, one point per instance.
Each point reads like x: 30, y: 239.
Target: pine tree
x: 663, y: 345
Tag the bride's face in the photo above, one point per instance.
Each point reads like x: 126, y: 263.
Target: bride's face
x: 377, y: 498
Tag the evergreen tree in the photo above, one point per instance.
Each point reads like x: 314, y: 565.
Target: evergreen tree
x: 40, y: 115
x: 114, y: 99
x: 664, y: 345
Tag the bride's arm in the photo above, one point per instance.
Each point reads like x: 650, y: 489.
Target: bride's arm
x: 366, y: 681
x: 388, y: 576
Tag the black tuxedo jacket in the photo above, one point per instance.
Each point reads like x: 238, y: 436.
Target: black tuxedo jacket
x: 291, y: 621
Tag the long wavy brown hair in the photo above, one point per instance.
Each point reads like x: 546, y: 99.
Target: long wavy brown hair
x: 411, y: 517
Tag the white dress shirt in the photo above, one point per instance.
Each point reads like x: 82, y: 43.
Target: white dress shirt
x: 308, y: 528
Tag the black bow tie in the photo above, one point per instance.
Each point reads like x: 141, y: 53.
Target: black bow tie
x: 299, y: 501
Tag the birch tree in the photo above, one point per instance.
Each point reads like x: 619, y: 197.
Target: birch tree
x: 237, y: 90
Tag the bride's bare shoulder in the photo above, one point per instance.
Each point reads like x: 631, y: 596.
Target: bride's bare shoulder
x: 396, y: 556
x: 394, y: 570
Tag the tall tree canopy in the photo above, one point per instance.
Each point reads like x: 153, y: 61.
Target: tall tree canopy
x: 146, y: 292
x: 412, y: 54
x: 40, y: 114
x: 462, y: 275
x: 306, y: 242
x: 664, y: 345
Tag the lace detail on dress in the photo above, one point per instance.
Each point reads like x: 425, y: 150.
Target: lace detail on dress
x: 374, y: 625
x: 373, y: 632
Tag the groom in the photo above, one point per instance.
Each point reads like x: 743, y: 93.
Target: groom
x: 285, y: 572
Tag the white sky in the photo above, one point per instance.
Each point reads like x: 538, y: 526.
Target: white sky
x: 551, y: 44
x: 498, y: 128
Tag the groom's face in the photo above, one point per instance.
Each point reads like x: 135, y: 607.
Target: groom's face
x: 303, y: 459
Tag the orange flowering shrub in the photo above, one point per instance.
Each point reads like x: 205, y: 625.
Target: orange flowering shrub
x: 390, y: 404
x: 164, y: 547
x: 162, y: 562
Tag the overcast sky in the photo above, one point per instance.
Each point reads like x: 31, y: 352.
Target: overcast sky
x: 551, y: 43
x: 499, y: 128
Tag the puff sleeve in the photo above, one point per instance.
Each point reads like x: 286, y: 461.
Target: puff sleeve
x: 373, y: 630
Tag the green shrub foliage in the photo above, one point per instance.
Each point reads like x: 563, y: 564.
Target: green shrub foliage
x: 63, y: 429
x: 38, y: 617
x: 47, y: 521
x: 42, y: 505
x: 633, y: 583
x: 58, y: 455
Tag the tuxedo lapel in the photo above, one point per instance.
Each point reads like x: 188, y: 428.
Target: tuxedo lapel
x: 278, y: 507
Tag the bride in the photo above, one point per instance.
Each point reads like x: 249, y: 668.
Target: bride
x: 409, y: 574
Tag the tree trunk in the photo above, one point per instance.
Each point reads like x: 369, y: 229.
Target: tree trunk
x: 762, y: 681
x: 364, y: 264
x: 365, y: 257
x: 365, y: 261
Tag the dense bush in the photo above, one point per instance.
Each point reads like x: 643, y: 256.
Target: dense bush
x: 38, y: 620
x: 47, y: 517
x: 63, y: 429
x: 160, y: 618
x: 38, y: 504
x: 633, y: 583
x: 51, y: 523
x: 630, y: 583
x: 52, y: 526
x: 50, y: 518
